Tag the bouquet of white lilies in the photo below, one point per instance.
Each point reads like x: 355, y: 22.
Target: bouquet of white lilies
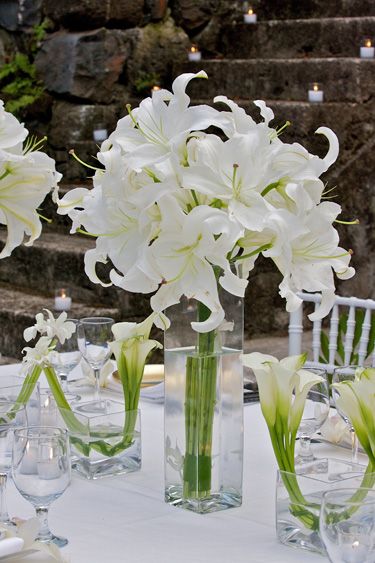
x: 27, y: 175
x: 177, y: 210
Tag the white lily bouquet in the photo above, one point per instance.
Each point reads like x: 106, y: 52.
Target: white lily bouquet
x: 283, y: 388
x: 27, y: 175
x: 178, y: 211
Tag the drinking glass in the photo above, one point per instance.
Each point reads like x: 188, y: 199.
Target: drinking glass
x: 314, y: 416
x: 12, y: 415
x: 94, y: 336
x: 41, y: 471
x: 10, y: 388
x: 347, y: 525
x: 65, y: 357
x: 345, y: 373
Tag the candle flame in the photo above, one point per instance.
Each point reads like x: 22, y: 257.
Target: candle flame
x: 315, y: 87
x: 156, y: 88
x: 51, y: 454
x: 250, y: 11
x: 368, y: 43
x: 63, y: 293
x: 194, y: 49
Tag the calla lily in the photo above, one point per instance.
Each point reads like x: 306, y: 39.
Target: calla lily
x: 357, y: 400
x: 131, y: 348
x: 283, y: 388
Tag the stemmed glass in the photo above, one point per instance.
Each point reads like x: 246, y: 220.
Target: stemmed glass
x: 41, y: 471
x: 12, y: 415
x: 94, y: 336
x: 345, y: 373
x: 347, y: 525
x: 65, y: 357
x: 314, y: 416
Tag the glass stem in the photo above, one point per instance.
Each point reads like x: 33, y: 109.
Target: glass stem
x: 305, y: 447
x: 4, y: 516
x: 97, y: 384
x: 64, y: 382
x: 354, y: 445
x: 44, y: 531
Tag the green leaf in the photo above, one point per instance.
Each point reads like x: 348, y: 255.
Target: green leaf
x: 324, y: 347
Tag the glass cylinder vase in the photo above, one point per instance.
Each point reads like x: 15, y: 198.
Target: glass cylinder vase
x: 204, y: 408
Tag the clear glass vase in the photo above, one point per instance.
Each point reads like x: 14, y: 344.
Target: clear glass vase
x: 204, y: 408
x: 299, y: 498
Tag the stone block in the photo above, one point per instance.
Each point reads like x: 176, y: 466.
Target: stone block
x: 192, y: 15
x: 125, y: 13
x: 18, y: 14
x: 303, y: 9
x: 282, y: 39
x: 344, y: 80
x: 85, y: 65
x: 155, y: 49
x: 85, y: 14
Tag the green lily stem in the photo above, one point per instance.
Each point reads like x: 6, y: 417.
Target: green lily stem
x: 200, y: 399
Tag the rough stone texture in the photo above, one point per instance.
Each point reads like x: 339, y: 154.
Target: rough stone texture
x: 84, y: 14
x: 126, y: 13
x: 305, y: 38
x: 294, y: 9
x: 155, y: 49
x: 157, y: 9
x: 84, y: 65
x: 193, y: 14
x: 19, y: 14
x: 342, y: 79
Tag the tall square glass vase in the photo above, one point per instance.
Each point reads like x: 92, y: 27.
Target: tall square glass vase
x: 204, y: 408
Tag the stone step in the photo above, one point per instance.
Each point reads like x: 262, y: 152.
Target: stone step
x: 290, y: 9
x: 343, y: 80
x: 326, y: 37
x: 57, y: 260
x: 18, y: 309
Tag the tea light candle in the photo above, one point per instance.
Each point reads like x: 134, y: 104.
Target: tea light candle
x: 367, y: 50
x: 63, y: 301
x: 250, y: 16
x: 49, y: 468
x: 29, y: 461
x: 315, y: 93
x: 100, y: 134
x: 194, y: 55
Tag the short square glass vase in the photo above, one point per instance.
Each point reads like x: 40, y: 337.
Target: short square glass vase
x: 105, y: 438
x: 299, y: 496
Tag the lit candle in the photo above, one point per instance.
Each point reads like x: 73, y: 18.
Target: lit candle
x: 315, y: 93
x: 63, y: 301
x: 29, y: 461
x: 194, y: 54
x: 48, y: 468
x: 155, y: 88
x: 100, y: 134
x: 367, y: 50
x: 250, y: 16
x: 48, y: 410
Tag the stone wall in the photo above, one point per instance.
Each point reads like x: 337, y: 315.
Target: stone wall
x: 99, y: 55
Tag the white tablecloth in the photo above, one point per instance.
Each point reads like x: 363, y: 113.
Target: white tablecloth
x: 122, y: 519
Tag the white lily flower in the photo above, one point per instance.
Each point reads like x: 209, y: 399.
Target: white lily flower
x: 25, y: 180
x: 37, y: 355
x: 58, y: 328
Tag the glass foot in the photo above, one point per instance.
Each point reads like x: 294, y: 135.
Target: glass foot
x: 57, y: 540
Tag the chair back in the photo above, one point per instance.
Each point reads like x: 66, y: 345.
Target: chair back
x: 348, y: 304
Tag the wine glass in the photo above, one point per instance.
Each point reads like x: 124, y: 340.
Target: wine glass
x: 11, y: 386
x: 314, y: 415
x: 345, y: 373
x: 94, y: 336
x: 65, y: 357
x: 12, y: 415
x: 347, y: 525
x: 41, y: 471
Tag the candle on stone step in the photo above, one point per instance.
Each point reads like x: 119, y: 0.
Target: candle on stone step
x: 194, y: 55
x: 63, y: 301
x: 315, y: 93
x: 100, y: 133
x: 250, y: 16
x: 367, y: 50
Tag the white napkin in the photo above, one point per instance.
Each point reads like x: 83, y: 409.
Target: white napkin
x: 9, y: 546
